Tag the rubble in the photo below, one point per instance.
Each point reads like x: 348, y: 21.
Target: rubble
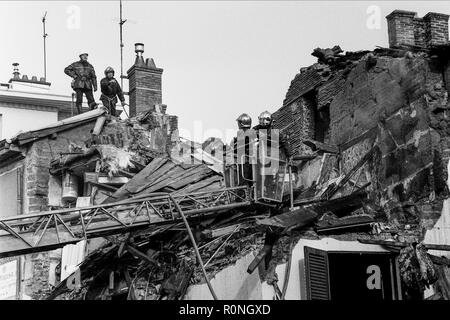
x: 370, y: 142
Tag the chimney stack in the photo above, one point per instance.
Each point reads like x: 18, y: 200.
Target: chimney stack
x: 144, y: 83
x: 16, y: 73
x: 406, y: 29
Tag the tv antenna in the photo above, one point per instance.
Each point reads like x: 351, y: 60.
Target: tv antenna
x: 121, y: 22
x: 45, y: 51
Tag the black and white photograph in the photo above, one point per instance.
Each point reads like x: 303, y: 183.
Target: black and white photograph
x: 230, y: 158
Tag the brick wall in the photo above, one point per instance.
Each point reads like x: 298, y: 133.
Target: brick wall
x: 401, y: 28
x: 145, y: 88
x: 436, y: 28
x: 419, y: 32
x: 405, y: 28
x: 297, y: 121
x: 37, y: 163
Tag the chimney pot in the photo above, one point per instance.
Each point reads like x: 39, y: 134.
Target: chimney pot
x: 139, y: 48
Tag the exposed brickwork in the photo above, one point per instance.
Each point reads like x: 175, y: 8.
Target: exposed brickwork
x: 145, y: 88
x: 297, y: 121
x: 37, y: 163
x: 37, y: 286
x: 406, y: 29
x: 302, y: 83
x: 328, y: 91
x: 436, y: 28
x: 401, y: 28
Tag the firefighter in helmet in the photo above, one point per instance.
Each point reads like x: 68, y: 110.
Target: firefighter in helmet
x: 111, y: 90
x: 265, y: 123
x: 244, y: 122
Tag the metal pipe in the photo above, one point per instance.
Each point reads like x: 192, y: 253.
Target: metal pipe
x: 197, y: 253
x: 45, y: 50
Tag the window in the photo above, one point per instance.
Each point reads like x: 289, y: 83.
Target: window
x: 332, y: 275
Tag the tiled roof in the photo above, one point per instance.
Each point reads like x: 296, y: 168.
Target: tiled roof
x: 302, y: 83
x: 328, y: 90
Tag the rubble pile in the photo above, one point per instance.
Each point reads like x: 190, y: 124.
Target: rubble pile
x: 369, y: 148
x: 384, y: 187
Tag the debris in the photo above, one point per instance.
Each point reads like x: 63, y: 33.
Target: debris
x: 266, y: 252
x: 292, y: 219
x: 316, y: 145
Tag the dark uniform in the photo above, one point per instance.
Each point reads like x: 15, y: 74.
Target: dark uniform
x: 84, y: 81
x: 283, y: 142
x: 110, y: 91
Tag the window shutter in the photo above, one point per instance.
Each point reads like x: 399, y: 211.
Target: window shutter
x: 317, y: 275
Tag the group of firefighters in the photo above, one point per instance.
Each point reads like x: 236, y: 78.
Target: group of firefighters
x: 85, y: 82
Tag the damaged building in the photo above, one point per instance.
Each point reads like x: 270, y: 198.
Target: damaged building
x: 359, y: 211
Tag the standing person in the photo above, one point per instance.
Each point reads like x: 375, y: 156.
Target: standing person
x: 110, y: 91
x: 266, y: 123
x: 84, y: 80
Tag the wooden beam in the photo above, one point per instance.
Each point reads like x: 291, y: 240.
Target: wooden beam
x: 316, y: 145
x: 140, y: 254
x: 440, y: 247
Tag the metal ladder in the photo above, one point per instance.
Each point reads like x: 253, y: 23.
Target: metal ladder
x: 24, y: 234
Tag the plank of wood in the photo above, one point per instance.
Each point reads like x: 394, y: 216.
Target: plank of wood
x: 316, y: 145
x: 298, y: 218
x: 137, y: 181
x: 442, y: 247
x: 199, y: 186
x: 155, y: 176
x: 187, y: 176
x: 113, y: 180
x: 162, y: 182
x: 195, y: 175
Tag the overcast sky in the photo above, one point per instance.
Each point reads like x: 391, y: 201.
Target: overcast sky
x: 219, y: 58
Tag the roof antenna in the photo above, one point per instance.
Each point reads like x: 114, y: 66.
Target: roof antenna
x: 45, y: 52
x: 121, y: 22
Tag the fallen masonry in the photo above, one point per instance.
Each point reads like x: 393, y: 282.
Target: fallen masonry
x: 364, y: 214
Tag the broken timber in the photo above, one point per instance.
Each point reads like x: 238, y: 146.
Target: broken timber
x: 50, y: 230
x: 316, y: 145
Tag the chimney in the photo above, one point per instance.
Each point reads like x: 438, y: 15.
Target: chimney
x: 436, y: 28
x: 406, y: 29
x: 401, y: 28
x: 16, y: 73
x: 144, y: 83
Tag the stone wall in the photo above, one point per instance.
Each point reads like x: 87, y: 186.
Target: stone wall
x: 399, y: 104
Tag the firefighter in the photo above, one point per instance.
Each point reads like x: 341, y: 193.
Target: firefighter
x: 244, y: 122
x: 84, y: 80
x: 265, y: 123
x: 110, y: 91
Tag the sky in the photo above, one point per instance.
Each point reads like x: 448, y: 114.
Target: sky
x: 220, y: 58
